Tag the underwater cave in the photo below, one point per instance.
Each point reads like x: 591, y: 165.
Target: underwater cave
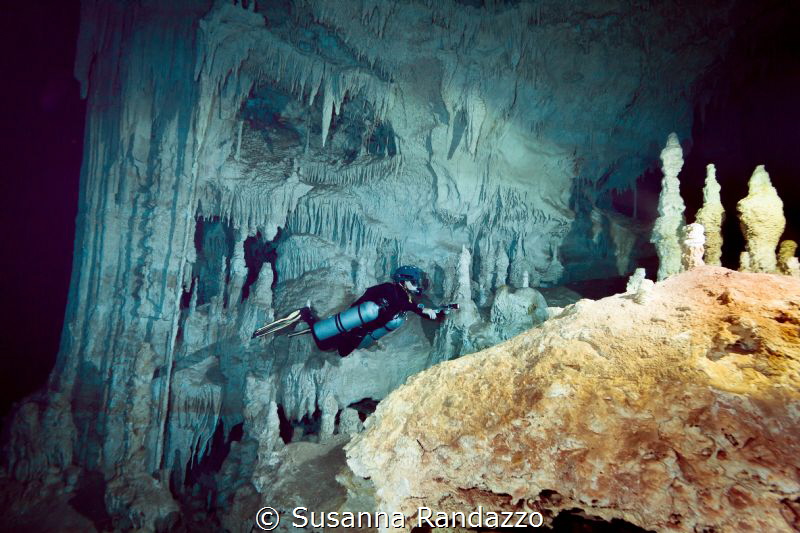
x: 370, y: 256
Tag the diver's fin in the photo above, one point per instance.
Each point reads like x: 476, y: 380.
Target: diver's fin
x: 277, y: 325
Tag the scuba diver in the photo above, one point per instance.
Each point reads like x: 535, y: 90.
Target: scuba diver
x: 380, y: 310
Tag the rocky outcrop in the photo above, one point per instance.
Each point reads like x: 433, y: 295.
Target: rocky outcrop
x: 667, y: 228
x: 762, y: 222
x: 680, y: 414
x: 711, y: 216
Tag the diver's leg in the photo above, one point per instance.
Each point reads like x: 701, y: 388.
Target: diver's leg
x: 308, y: 315
x: 345, y: 344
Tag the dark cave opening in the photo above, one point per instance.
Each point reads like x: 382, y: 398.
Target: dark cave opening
x: 292, y: 430
x: 89, y: 499
x: 43, y: 151
x: 308, y: 425
x: 289, y: 129
x: 186, y: 296
x: 258, y: 251
x: 365, y: 407
x: 201, y: 471
x: 285, y: 425
x: 640, y: 202
x: 567, y: 521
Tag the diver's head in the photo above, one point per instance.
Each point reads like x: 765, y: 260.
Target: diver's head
x: 412, y: 278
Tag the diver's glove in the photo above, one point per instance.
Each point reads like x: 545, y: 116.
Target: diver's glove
x: 430, y: 313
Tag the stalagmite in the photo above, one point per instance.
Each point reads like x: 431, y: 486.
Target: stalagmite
x: 762, y: 221
x: 501, y: 269
x: 786, y: 253
x: 238, y: 271
x: 711, y: 216
x: 692, y: 246
x: 453, y: 337
x: 744, y: 262
x: 644, y: 292
x: 260, y: 415
x: 639, y: 286
x: 666, y: 230
x: 635, y: 280
x: 329, y: 408
x: 793, y: 267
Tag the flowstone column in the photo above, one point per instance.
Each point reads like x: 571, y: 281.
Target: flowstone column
x: 667, y: 228
x: 711, y: 216
x: 762, y: 222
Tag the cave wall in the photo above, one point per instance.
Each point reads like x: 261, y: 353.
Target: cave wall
x: 243, y: 159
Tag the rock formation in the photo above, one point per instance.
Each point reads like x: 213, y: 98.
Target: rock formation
x: 639, y: 286
x: 762, y: 222
x: 786, y: 257
x: 744, y: 262
x: 635, y: 280
x: 793, y: 267
x: 674, y: 416
x: 711, y: 216
x: 692, y: 246
x: 667, y: 228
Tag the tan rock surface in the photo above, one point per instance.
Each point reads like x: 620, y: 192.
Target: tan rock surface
x: 682, y: 414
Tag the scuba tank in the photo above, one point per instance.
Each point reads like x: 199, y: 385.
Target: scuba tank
x: 389, y: 327
x: 345, y: 321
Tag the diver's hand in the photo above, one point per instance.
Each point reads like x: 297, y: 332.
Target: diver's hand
x: 430, y: 313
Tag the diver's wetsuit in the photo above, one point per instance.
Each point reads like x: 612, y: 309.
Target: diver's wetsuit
x: 392, y: 298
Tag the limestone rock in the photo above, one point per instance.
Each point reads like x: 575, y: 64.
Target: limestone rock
x: 521, y: 308
x: 711, y: 216
x: 693, y: 246
x: 667, y: 228
x: 675, y: 415
x: 762, y: 221
x: 143, y: 502
x: 349, y: 422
